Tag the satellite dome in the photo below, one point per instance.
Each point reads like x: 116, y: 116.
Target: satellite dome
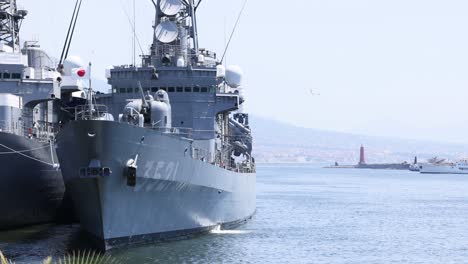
x: 170, y: 7
x: 167, y: 31
x: 234, y: 76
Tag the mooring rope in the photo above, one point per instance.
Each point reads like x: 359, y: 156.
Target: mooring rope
x: 27, y: 156
x: 21, y: 151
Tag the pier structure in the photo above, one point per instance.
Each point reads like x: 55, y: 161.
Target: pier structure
x: 379, y: 166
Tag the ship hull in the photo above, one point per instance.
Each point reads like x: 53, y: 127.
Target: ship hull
x: 175, y: 195
x: 442, y: 169
x: 31, y: 191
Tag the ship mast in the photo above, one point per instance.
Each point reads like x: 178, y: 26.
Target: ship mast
x: 194, y: 31
x: 10, y: 23
x: 175, y: 38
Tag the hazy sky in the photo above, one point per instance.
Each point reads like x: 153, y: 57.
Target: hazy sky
x: 393, y: 68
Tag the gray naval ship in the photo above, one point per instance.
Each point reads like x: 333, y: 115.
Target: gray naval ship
x: 31, y: 185
x: 167, y: 154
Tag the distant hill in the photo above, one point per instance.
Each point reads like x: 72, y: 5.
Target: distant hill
x: 280, y: 142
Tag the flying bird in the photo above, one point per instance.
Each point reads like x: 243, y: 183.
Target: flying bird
x: 313, y: 93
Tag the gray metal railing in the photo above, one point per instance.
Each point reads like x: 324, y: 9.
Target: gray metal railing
x: 171, y: 50
x: 90, y: 112
x: 40, y: 131
x: 176, y: 131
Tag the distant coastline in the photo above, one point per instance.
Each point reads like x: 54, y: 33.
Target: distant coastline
x: 281, y: 143
x: 364, y: 165
x: 389, y: 166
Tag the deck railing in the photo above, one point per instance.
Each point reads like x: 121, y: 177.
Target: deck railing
x: 90, y: 112
x: 40, y: 131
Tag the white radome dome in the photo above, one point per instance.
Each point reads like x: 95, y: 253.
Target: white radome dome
x: 234, y: 75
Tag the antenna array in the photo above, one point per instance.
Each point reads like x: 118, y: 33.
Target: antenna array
x: 10, y: 19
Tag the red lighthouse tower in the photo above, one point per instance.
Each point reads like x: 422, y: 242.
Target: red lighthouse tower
x: 362, y: 156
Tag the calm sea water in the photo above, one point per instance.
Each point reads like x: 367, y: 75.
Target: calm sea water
x: 310, y: 215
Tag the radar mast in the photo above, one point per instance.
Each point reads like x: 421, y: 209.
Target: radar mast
x: 175, y: 33
x: 10, y: 23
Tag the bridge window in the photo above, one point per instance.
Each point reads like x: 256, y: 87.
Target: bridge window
x: 196, y: 89
x: 129, y: 90
x: 188, y: 89
x: 6, y: 75
x: 16, y: 76
x: 180, y: 89
x: 204, y: 90
x: 154, y: 89
x: 171, y: 89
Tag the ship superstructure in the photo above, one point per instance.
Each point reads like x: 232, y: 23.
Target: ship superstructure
x: 441, y: 166
x: 31, y: 186
x: 175, y: 159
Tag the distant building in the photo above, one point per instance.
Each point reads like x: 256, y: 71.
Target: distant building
x: 362, y: 156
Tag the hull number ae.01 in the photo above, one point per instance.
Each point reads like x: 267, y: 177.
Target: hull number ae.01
x: 161, y: 170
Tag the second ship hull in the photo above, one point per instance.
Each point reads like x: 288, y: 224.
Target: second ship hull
x: 31, y: 190
x: 175, y: 195
x: 442, y: 169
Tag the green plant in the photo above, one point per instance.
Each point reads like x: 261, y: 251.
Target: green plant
x: 79, y: 257
x: 83, y: 257
x: 4, y: 260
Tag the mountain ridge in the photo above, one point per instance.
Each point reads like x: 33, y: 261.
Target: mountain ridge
x: 277, y: 142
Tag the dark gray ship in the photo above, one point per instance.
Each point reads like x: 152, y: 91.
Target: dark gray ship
x: 167, y: 154
x: 31, y: 184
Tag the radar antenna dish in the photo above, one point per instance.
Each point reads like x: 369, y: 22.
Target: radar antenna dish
x: 170, y: 7
x: 167, y: 31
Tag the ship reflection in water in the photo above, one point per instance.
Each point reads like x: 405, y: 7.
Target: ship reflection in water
x: 34, y: 244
